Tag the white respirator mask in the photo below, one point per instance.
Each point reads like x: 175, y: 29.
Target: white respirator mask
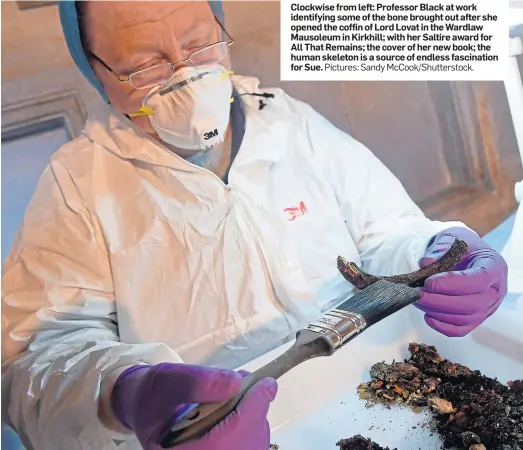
x: 191, y: 110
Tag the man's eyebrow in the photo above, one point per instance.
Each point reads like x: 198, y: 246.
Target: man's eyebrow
x: 129, y: 69
x: 136, y: 62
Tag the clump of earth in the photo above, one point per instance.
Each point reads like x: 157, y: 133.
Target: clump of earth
x: 471, y: 411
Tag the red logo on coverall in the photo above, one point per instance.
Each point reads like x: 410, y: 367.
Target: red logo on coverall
x: 296, y: 211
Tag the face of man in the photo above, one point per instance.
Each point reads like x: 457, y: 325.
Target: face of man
x: 132, y: 36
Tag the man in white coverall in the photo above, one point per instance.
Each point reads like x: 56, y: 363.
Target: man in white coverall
x: 184, y: 230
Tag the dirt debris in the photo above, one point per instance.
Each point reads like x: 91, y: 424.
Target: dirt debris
x: 516, y: 386
x: 471, y: 411
x: 358, y: 442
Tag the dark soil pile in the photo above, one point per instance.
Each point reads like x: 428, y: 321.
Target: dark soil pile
x: 470, y: 409
x: 358, y: 442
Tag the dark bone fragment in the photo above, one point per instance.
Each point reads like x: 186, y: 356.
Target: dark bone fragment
x: 353, y: 274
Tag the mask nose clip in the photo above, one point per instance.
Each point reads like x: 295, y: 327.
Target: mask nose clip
x: 180, y: 84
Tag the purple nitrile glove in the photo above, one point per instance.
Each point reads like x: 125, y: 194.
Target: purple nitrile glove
x: 146, y: 398
x: 457, y: 302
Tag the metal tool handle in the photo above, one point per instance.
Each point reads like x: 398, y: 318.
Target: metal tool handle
x: 199, y: 420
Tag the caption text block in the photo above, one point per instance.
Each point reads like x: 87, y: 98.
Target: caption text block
x: 394, y: 40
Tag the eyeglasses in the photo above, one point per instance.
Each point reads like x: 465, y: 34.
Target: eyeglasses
x: 204, y: 57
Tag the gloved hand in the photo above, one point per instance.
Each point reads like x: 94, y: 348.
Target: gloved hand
x: 146, y: 398
x: 457, y: 302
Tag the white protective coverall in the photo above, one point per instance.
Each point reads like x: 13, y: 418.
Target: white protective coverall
x: 130, y: 254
